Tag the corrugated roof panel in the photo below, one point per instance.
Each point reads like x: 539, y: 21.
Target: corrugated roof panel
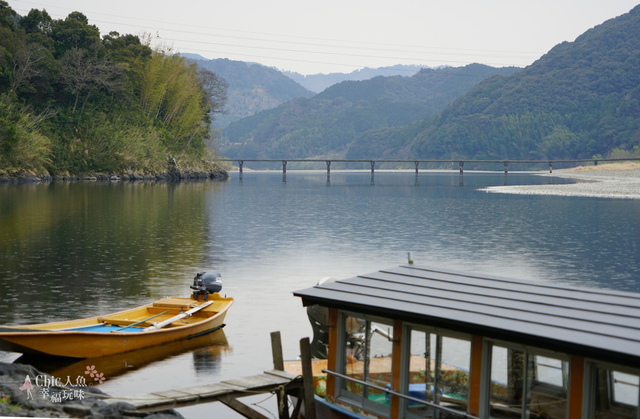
x: 594, y: 312
x: 575, y: 317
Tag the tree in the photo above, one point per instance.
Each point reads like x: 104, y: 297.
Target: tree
x: 214, y: 89
x: 84, y: 75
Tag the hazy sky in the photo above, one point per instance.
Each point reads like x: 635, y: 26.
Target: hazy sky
x: 344, y: 35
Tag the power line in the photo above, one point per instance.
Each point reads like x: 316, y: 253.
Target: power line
x: 437, y: 52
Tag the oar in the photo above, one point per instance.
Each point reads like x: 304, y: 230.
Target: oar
x: 141, y: 321
x: 178, y: 317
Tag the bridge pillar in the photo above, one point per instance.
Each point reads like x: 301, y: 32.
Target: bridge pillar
x: 284, y: 170
x: 373, y: 164
x: 240, y: 163
x: 461, y: 167
x: 328, y: 171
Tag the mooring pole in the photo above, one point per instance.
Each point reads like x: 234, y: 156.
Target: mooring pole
x: 461, y: 167
x: 284, y: 170
x: 417, y: 163
x: 240, y: 163
x: 550, y: 167
x: 506, y: 167
x: 328, y: 171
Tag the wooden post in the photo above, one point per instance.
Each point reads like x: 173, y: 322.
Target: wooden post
x: 396, y: 368
x: 475, y: 375
x: 276, y: 351
x: 576, y: 378
x: 417, y: 163
x: 307, y: 379
x: 461, y: 167
x: 284, y: 170
x: 240, y: 162
x: 506, y: 167
x: 278, y: 364
x: 241, y: 408
x: 550, y: 167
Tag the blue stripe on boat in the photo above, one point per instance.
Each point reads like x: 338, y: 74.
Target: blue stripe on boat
x: 103, y: 328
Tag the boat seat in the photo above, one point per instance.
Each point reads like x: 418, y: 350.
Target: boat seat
x: 178, y: 303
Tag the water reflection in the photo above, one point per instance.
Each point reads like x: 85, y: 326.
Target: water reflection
x: 96, y: 245
x: 70, y: 250
x: 206, y: 349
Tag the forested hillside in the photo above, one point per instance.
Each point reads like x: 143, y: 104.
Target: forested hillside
x: 579, y: 100
x: 73, y: 101
x: 251, y: 88
x: 327, y: 123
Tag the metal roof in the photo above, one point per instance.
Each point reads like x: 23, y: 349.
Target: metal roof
x: 599, y: 323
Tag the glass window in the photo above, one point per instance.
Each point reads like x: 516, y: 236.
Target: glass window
x: 367, y: 357
x: 438, y: 373
x: 616, y: 394
x: 525, y: 384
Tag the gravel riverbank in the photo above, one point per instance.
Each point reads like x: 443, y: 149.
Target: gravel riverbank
x: 616, y: 180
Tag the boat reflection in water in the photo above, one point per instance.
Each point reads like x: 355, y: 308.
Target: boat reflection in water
x: 206, y: 349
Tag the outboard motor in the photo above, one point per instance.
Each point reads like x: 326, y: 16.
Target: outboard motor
x: 205, y: 283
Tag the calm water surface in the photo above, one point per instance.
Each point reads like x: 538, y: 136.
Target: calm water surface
x: 72, y: 250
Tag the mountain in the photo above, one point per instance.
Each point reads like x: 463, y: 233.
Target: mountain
x: 252, y: 88
x: 318, y: 82
x: 580, y: 99
x: 327, y: 123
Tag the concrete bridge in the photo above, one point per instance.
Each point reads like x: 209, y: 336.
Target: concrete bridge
x: 417, y: 162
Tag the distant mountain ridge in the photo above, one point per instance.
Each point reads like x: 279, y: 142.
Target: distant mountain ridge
x: 327, y: 123
x: 252, y: 87
x: 580, y: 99
x: 318, y: 82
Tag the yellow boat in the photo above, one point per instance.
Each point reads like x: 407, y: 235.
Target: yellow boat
x: 166, y: 320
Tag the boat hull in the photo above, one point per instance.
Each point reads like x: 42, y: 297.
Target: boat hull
x: 68, y: 339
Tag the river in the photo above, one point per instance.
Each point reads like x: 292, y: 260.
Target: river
x: 72, y: 250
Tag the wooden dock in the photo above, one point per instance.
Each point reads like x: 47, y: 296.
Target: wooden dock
x: 228, y: 392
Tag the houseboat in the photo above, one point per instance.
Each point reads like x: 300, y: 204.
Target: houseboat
x: 413, y: 342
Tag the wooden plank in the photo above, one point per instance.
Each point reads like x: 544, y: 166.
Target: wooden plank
x: 281, y: 374
x: 226, y: 392
x: 255, y: 381
x: 178, y: 317
x: 241, y: 408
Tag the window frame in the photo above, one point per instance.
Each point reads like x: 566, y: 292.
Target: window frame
x: 590, y: 386
x: 342, y: 395
x: 551, y: 389
x: 406, y: 358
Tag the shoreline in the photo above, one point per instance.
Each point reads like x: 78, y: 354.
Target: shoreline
x: 615, y: 180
